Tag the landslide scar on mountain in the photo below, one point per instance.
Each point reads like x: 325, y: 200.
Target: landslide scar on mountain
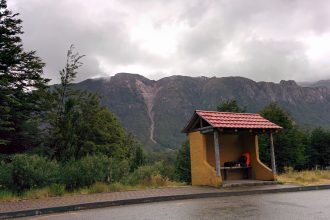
x: 149, y: 93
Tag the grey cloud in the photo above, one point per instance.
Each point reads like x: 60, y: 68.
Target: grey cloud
x: 263, y: 34
x: 266, y: 35
x: 51, y: 32
x: 274, y: 60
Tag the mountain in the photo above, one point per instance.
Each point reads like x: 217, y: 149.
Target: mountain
x: 321, y: 83
x: 156, y: 111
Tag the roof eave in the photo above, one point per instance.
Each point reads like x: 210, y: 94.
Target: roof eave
x: 186, y: 129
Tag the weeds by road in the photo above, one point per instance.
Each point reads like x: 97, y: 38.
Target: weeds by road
x: 308, y: 177
x: 99, y: 187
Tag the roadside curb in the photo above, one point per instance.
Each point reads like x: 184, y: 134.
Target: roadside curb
x: 93, y: 205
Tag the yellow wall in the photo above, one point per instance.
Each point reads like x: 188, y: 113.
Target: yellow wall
x: 201, y: 172
x: 231, y: 148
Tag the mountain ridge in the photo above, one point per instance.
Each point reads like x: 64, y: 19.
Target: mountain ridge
x: 320, y: 83
x: 156, y: 110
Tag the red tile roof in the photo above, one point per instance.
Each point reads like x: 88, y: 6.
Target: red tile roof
x: 236, y: 120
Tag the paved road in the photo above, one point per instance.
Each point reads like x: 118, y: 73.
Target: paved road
x: 298, y: 205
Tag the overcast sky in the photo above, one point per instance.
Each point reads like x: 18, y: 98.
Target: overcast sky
x: 261, y: 40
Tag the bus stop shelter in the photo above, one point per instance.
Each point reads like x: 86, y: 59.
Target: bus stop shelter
x: 219, y: 139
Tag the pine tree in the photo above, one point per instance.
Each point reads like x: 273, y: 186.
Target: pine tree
x: 21, y: 85
x: 68, y: 74
x: 320, y: 148
x: 79, y: 125
x: 290, y: 143
x: 182, y: 163
x: 230, y: 106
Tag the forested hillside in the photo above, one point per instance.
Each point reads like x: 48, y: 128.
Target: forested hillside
x: 156, y: 111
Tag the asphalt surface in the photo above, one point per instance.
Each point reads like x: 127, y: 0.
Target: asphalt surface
x: 297, y: 205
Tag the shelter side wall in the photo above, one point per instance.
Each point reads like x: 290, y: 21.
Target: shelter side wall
x: 202, y: 173
x: 259, y: 170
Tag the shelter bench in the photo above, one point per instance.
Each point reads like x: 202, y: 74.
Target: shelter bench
x: 247, y: 171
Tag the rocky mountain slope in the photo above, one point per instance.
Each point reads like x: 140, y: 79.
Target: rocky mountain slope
x: 156, y: 111
x: 321, y: 83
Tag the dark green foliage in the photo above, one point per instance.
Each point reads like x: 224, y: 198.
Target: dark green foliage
x: 165, y: 160
x: 320, y: 148
x: 168, y: 156
x: 277, y: 115
x: 264, y: 149
x: 85, y: 172
x: 139, y: 158
x: 57, y: 189
x: 85, y: 140
x: 290, y: 143
x: 80, y: 126
x: 87, y: 128
x: 5, y: 175
x: 65, y: 113
x: 182, y: 163
x: 98, y: 130
x: 26, y: 172
x: 230, y: 106
x: 91, y: 169
x: 166, y: 169
x: 119, y: 170
x: 142, y: 175
x: 68, y: 74
x: 118, y: 103
x: 21, y: 86
x: 134, y: 152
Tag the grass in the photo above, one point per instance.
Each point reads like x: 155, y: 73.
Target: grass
x: 58, y: 190
x: 7, y: 196
x: 305, y: 178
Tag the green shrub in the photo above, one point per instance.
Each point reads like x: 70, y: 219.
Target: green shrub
x: 28, y: 171
x: 99, y: 187
x: 119, y: 170
x: 165, y: 169
x: 159, y: 181
x: 6, y: 195
x: 182, y: 164
x: 85, y: 172
x: 57, y: 189
x: 5, y: 175
x: 142, y: 175
x: 36, y: 193
x: 116, y: 187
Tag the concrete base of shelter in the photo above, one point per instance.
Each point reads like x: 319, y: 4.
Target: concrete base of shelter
x: 242, y: 183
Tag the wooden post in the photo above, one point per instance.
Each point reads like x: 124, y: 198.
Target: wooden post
x: 217, y: 152
x: 272, y: 153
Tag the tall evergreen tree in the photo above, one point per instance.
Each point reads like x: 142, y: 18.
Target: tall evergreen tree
x: 290, y: 143
x: 182, y: 163
x: 80, y: 126
x: 320, y: 148
x: 134, y: 151
x: 230, y: 106
x: 68, y: 74
x: 21, y: 84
